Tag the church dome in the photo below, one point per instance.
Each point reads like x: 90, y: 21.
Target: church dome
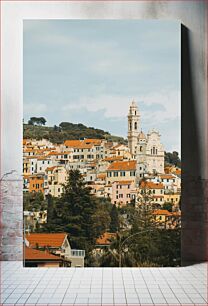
x: 141, y: 135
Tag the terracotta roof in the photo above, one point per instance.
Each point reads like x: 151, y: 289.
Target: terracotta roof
x: 105, y: 238
x: 50, y: 168
x: 162, y: 212
x: 32, y: 254
x: 123, y: 182
x: 84, y: 146
x: 151, y: 185
x: 123, y: 165
x: 93, y: 141
x: 54, y: 240
x: 72, y: 143
x: 166, y: 176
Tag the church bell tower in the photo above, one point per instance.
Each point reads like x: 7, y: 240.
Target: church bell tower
x: 133, y: 127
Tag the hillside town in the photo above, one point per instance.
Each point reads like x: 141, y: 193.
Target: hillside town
x: 120, y: 173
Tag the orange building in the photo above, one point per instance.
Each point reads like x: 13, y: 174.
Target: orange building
x: 36, y: 183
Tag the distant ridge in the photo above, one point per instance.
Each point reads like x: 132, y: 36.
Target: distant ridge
x: 67, y: 130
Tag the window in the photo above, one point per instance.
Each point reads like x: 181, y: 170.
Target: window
x: 122, y: 173
x: 132, y: 173
x: 135, y: 125
x: 140, y: 148
x: 59, y: 189
x: 115, y: 173
x: 116, y: 197
x: 40, y: 168
x: 128, y: 187
x: 130, y: 126
x: 43, y: 162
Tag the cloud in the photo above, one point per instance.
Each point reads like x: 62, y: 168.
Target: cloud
x: 157, y: 107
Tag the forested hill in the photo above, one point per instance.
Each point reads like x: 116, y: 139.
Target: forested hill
x: 66, y: 130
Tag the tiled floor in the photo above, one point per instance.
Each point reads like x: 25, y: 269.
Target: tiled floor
x: 103, y: 286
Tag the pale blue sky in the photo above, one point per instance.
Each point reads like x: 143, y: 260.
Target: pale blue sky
x: 88, y: 71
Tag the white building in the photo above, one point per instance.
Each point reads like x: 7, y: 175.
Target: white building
x: 146, y: 149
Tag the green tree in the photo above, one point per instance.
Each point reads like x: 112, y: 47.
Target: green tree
x: 34, y: 201
x: 76, y: 208
x: 168, y: 206
x: 114, y: 223
x: 172, y: 158
x: 37, y: 121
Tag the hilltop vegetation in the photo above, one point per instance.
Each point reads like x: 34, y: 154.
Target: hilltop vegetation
x: 36, y: 129
x: 66, y: 131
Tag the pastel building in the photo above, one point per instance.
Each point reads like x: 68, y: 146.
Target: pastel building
x: 120, y: 171
x: 121, y: 192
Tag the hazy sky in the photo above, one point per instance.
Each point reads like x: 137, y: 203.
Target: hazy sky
x: 88, y: 71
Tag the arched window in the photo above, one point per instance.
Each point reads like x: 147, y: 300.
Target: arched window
x: 141, y: 149
x: 135, y: 125
x: 153, y: 150
x: 135, y: 113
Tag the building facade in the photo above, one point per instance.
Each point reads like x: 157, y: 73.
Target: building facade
x: 146, y: 149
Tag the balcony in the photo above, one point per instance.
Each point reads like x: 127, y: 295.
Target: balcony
x: 77, y: 253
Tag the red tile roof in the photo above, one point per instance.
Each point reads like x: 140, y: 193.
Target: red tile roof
x: 105, y: 238
x: 123, y: 182
x: 54, y: 240
x: 162, y: 212
x: 151, y: 185
x: 32, y: 254
x: 123, y: 165
x: 166, y: 176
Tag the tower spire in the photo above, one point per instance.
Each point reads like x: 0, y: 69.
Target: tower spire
x: 133, y: 126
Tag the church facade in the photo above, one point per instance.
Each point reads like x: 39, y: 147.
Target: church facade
x: 146, y: 149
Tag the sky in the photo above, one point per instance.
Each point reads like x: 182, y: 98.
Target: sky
x: 89, y: 71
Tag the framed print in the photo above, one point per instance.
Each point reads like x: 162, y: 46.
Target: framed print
x: 127, y: 78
